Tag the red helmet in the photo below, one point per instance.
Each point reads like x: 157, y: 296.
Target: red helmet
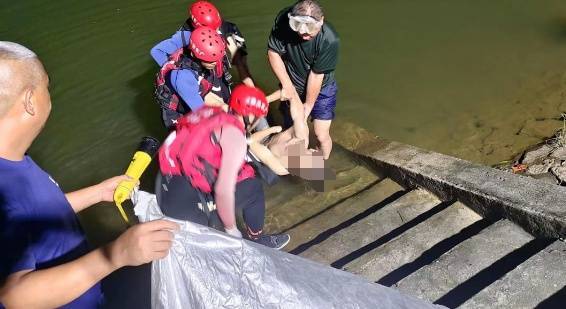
x: 207, y: 45
x: 246, y: 100
x: 204, y: 13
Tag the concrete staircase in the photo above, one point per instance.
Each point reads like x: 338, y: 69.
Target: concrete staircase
x: 438, y: 228
x: 442, y: 252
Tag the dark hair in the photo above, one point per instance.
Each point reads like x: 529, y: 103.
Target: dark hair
x: 308, y: 8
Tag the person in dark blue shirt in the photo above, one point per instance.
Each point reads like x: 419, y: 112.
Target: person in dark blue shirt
x: 45, y: 260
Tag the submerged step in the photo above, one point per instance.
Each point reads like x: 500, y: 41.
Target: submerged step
x: 424, y: 232
x: 347, y: 239
x: 538, y: 280
x: 293, y: 200
x: 463, y: 261
x: 306, y: 230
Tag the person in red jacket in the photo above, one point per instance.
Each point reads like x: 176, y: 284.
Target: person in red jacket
x: 204, y: 171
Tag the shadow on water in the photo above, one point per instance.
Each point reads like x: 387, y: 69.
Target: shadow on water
x: 557, y: 29
x: 148, y: 114
x: 145, y: 107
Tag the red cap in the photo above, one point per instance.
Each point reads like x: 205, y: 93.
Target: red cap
x: 207, y: 45
x: 246, y: 100
x: 204, y: 13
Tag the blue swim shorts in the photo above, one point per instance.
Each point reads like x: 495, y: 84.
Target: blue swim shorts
x: 324, y: 106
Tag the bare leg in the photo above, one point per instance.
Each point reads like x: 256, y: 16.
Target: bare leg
x: 322, y: 132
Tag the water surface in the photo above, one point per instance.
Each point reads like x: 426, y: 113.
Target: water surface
x: 476, y: 79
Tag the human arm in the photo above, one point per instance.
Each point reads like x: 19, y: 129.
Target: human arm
x: 276, y: 95
x: 186, y: 86
x: 241, y: 63
x: 314, y: 84
x: 263, y: 153
x: 212, y: 99
x: 237, y: 51
x: 165, y: 48
x: 102, y: 192
x: 233, y: 144
x: 288, y: 92
x: 59, y: 285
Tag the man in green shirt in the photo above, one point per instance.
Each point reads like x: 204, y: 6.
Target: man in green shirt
x: 303, y: 53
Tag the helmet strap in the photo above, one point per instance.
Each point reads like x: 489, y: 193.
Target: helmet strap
x: 219, y: 68
x: 249, y: 125
x: 246, y: 122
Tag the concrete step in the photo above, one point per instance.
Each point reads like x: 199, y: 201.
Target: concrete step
x: 307, y: 230
x: 435, y: 279
x: 384, y: 255
x: 340, y: 240
x: 531, y: 276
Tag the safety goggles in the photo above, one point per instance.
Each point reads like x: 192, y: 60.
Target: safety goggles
x: 304, y: 24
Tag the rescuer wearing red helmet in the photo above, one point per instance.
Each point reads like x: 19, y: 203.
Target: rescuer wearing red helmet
x: 183, y: 82
x: 204, y: 174
x: 204, y: 13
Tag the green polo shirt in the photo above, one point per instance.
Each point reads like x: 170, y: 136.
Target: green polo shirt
x: 300, y: 57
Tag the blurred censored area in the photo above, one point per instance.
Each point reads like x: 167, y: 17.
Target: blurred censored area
x: 309, y: 165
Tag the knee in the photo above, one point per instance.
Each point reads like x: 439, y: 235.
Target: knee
x: 323, y: 136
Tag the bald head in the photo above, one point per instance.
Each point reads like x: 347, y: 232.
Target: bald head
x: 308, y: 8
x: 20, y: 70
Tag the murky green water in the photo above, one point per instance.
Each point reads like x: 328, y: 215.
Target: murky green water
x: 462, y: 77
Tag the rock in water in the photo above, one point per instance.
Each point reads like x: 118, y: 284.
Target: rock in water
x: 560, y: 173
x: 559, y: 153
x: 536, y: 155
x: 544, y: 167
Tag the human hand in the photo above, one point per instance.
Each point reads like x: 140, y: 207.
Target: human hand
x: 276, y: 95
x: 233, y: 231
x: 307, y: 110
x: 288, y: 93
x: 142, y: 243
x: 248, y: 81
x: 213, y: 99
x: 261, y: 135
x: 107, y: 187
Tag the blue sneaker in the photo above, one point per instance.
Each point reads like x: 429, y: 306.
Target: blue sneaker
x: 275, y: 241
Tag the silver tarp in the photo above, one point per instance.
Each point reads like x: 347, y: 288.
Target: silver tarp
x: 209, y: 269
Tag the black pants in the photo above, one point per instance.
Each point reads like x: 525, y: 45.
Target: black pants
x: 179, y: 200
